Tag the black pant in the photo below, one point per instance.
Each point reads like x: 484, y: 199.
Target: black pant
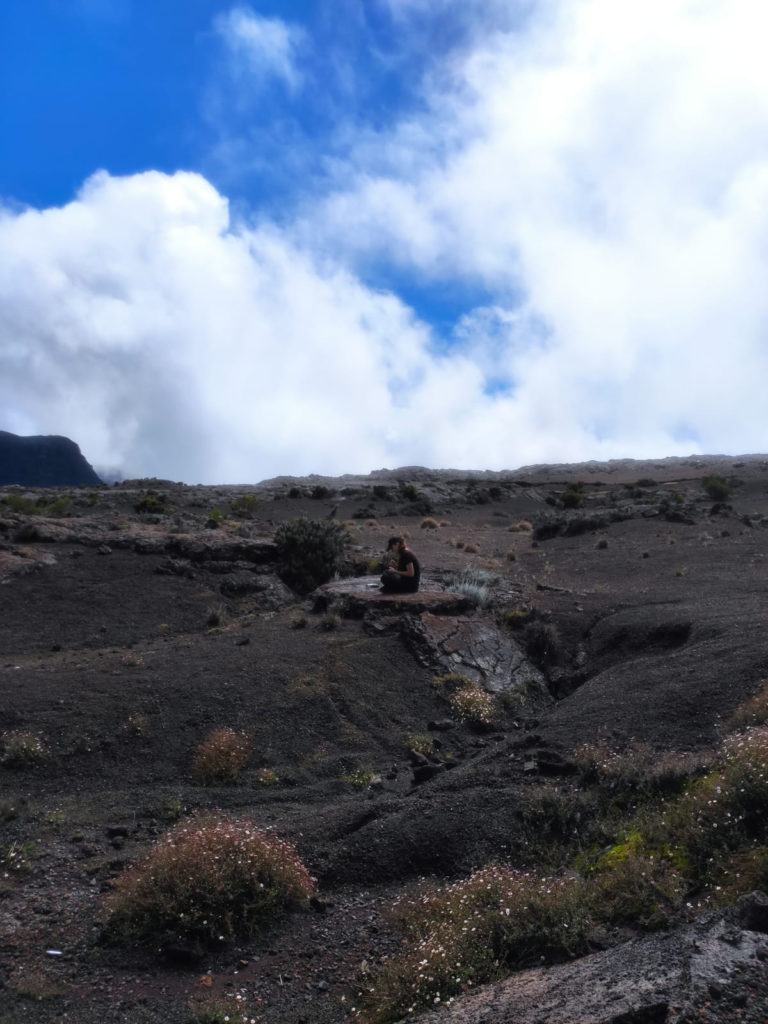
x: 399, y: 584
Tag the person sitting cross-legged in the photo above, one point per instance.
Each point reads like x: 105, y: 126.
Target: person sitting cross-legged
x: 404, y: 570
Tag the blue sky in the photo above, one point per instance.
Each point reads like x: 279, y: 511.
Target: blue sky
x: 244, y: 240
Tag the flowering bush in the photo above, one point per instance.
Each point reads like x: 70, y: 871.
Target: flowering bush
x: 473, y: 705
x: 464, y: 933
x: 210, y: 879
x: 221, y: 757
x: 745, y: 773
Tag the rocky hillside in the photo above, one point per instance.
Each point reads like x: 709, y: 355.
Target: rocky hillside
x: 556, y: 700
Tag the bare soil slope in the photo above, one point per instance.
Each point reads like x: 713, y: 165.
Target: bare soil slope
x: 137, y: 618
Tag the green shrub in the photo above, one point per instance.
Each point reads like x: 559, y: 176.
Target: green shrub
x: 210, y: 879
x: 309, y: 552
x: 154, y: 503
x: 244, y: 506
x: 716, y: 487
x: 572, y: 496
x: 220, y: 758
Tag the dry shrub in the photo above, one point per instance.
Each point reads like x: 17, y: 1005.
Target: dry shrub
x: 209, y: 880
x: 522, y: 527
x: 221, y: 757
x: 471, y: 549
x: 429, y: 524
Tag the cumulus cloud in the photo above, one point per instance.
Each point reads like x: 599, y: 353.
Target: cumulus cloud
x: 170, y: 342
x: 606, y: 168
x: 262, y: 47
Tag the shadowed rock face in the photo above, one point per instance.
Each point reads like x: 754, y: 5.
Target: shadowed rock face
x: 40, y: 461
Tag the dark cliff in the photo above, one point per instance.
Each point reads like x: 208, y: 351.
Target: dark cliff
x: 43, y: 461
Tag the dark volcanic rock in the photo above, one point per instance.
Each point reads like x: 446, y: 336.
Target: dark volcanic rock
x: 39, y: 461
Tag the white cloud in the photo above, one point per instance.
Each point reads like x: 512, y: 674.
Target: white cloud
x: 606, y: 162
x: 168, y: 342
x: 264, y: 47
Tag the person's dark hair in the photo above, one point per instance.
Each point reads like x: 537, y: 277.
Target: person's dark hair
x: 395, y: 540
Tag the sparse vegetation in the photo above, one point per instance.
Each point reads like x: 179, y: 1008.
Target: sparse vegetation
x: 44, y: 505
x: 245, y: 506
x: 211, y: 879
x: 220, y: 758
x: 501, y: 918
x: 21, y: 748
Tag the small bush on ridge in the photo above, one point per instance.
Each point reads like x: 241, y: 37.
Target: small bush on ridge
x: 220, y: 758
x: 210, y: 879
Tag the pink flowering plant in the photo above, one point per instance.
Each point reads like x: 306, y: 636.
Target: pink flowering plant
x: 220, y: 758
x: 473, y: 705
x: 210, y: 879
x: 466, y: 933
